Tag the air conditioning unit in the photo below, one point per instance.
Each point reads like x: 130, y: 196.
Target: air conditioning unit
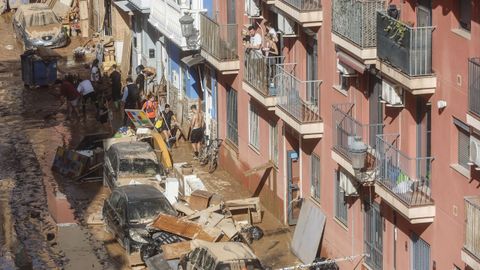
x: 474, y: 151
x: 286, y: 26
x: 392, y: 94
x: 252, y: 8
x: 346, y: 184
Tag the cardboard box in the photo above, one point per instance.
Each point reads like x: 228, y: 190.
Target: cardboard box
x: 199, y: 199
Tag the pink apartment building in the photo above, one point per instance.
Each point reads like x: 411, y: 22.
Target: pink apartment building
x: 372, y: 111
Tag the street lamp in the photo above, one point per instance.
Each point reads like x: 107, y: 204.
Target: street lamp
x: 358, y: 152
x: 188, y: 30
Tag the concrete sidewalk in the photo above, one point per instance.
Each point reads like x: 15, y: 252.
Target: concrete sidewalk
x: 274, y: 248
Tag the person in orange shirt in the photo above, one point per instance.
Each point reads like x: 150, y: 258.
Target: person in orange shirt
x: 150, y: 108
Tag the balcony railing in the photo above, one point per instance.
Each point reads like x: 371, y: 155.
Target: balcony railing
x: 300, y: 99
x: 304, y: 5
x: 406, y: 48
x: 260, y: 71
x: 474, y: 85
x: 472, y: 226
x: 356, y: 21
x: 346, y: 127
x: 218, y: 40
x: 407, y: 178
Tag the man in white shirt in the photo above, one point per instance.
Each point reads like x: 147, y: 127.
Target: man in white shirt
x: 85, y: 88
x: 255, y: 40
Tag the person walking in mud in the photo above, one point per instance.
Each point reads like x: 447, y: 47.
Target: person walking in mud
x: 150, y: 108
x: 116, y: 79
x: 131, y: 96
x: 71, y: 95
x: 196, y: 135
x: 95, y: 72
x: 168, y: 125
x: 85, y: 88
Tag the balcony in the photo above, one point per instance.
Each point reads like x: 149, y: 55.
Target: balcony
x: 473, y: 115
x: 306, y: 12
x: 165, y: 16
x: 142, y: 5
x: 259, y: 75
x: 298, y: 103
x: 471, y: 248
x: 404, y: 54
x: 219, y: 45
x: 346, y: 129
x: 354, y: 27
x: 404, y: 182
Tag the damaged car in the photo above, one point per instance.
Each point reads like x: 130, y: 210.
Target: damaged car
x: 128, y: 210
x: 220, y: 256
x: 130, y: 163
x: 37, y: 25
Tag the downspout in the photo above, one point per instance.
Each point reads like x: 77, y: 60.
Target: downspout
x: 285, y: 180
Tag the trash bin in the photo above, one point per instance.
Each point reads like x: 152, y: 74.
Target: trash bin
x: 37, y: 71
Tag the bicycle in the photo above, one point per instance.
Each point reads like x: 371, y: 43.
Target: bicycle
x: 209, y: 154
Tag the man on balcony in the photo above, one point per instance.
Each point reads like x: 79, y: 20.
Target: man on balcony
x: 255, y: 44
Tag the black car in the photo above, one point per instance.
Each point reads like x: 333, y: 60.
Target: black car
x: 128, y: 210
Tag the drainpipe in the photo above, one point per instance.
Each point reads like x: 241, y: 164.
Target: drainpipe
x: 285, y: 180
x: 300, y: 164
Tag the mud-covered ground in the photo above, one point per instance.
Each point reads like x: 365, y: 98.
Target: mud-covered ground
x: 32, y: 126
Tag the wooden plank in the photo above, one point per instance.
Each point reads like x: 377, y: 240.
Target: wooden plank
x: 182, y: 228
x: 176, y: 250
x: 181, y: 207
x: 258, y: 168
x: 127, y: 47
x: 228, y: 227
x: 83, y: 10
x: 208, y: 210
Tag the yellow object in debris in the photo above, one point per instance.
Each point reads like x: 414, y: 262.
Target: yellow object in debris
x: 161, y: 150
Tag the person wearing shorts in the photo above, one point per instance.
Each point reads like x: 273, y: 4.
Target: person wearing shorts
x: 68, y: 91
x: 196, y: 135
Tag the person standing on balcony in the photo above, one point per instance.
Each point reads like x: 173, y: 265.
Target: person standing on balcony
x: 255, y: 44
x: 271, y: 31
x: 271, y: 51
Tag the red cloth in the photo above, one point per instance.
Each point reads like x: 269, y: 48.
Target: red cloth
x: 68, y: 90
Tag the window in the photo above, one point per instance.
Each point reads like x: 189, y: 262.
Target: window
x: 341, y: 210
x: 232, y: 122
x: 151, y: 53
x: 463, y: 145
x: 253, y: 127
x: 373, y: 236
x: 315, y: 177
x: 274, y: 143
x: 420, y: 253
x: 465, y: 14
x: 343, y: 81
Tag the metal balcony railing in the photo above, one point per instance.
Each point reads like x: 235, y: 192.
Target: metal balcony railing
x: 474, y: 85
x: 260, y: 71
x: 218, y: 40
x: 355, y: 20
x: 406, y: 177
x: 346, y: 127
x: 304, y: 5
x: 406, y: 48
x: 300, y: 99
x: 472, y: 226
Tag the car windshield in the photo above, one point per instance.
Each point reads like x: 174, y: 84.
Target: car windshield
x: 141, y: 212
x: 240, y: 264
x: 41, y: 18
x: 138, y: 166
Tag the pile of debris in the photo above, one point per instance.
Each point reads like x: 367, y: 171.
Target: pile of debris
x: 206, y: 216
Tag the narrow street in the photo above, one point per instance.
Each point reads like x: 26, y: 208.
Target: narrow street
x: 32, y: 125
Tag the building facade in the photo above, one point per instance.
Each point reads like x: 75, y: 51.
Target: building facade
x: 397, y: 81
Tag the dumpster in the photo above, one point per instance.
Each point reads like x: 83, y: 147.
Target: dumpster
x: 38, y: 71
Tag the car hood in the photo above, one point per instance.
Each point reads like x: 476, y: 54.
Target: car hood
x: 123, y: 181
x: 41, y: 31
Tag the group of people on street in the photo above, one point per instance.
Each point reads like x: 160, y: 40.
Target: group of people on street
x: 74, y: 90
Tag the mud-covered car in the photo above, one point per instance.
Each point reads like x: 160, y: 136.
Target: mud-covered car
x: 220, y: 256
x: 37, y: 25
x: 127, y: 163
x: 128, y: 210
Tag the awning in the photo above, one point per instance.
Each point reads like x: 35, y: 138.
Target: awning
x: 144, y: 11
x: 193, y: 60
x: 351, y: 62
x: 124, y: 6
